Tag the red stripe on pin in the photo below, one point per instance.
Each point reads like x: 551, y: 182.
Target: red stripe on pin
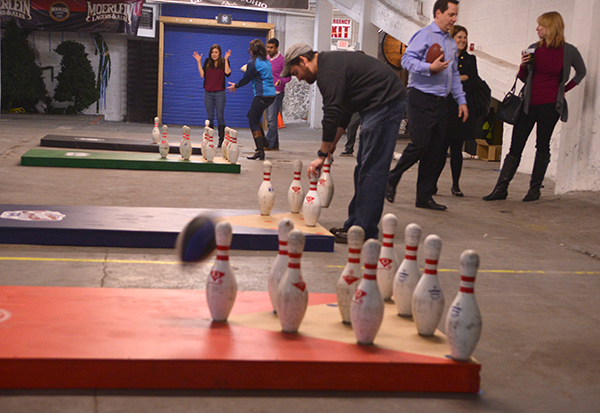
x: 410, y: 257
x: 430, y: 271
x: 370, y: 266
x: 294, y: 265
x: 388, y: 235
x: 387, y: 244
x: 354, y: 260
x: 467, y: 290
x: 354, y: 250
x: 411, y: 248
x: 282, y: 242
x: 467, y: 279
x: 283, y: 252
x: 222, y: 257
x: 292, y: 255
x: 222, y: 247
x: 431, y: 262
x: 370, y: 277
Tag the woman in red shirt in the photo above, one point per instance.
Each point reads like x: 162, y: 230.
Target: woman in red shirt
x: 546, y: 74
x: 214, y: 71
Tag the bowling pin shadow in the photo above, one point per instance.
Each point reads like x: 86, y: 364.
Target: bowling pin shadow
x: 434, y: 339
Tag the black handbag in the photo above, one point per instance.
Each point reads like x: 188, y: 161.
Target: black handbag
x: 511, y: 106
x: 479, y: 99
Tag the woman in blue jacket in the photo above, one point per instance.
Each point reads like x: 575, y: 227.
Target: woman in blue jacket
x: 258, y: 70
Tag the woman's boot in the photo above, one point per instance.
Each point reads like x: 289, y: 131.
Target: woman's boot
x: 221, y: 135
x: 259, y: 141
x: 511, y: 163
x: 537, y: 176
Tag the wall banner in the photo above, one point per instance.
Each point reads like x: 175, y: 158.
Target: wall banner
x: 100, y: 16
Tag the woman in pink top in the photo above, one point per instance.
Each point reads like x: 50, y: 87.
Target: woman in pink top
x: 546, y: 73
x: 214, y: 71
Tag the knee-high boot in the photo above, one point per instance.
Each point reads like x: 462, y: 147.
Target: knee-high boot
x: 259, y: 141
x: 221, y: 135
x: 511, y: 163
x: 537, y: 176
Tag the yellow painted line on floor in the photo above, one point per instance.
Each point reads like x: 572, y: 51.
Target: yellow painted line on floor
x: 100, y: 260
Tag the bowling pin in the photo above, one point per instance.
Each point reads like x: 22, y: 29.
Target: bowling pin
x: 266, y: 193
x: 155, y: 131
x: 225, y: 143
x: 351, y: 274
x: 163, y: 148
x: 388, y: 260
x: 205, y: 137
x: 296, y: 192
x: 281, y: 261
x: 311, y: 208
x: 408, y: 273
x: 233, y: 151
x: 293, y: 295
x: 221, y: 286
x: 428, y: 298
x: 325, y: 186
x: 463, y: 321
x: 185, y: 147
x: 366, y: 309
x: 210, y: 146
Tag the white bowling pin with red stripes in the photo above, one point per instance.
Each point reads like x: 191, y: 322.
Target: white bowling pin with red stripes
x: 221, y: 286
x: 210, y: 146
x: 205, y: 137
x: 293, y: 295
x: 366, y: 309
x: 185, y: 146
x: 325, y: 186
x: 296, y: 191
x: 351, y: 274
x: 233, y: 151
x: 311, y: 207
x: 388, y: 260
x: 428, y: 298
x: 163, y: 147
x: 463, y: 320
x: 408, y: 274
x: 225, y: 145
x: 155, y: 131
x: 266, y: 193
x: 281, y: 261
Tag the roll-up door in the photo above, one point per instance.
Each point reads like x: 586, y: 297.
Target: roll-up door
x: 183, y: 92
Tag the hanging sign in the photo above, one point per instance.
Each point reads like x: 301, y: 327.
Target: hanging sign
x: 341, y: 28
x: 116, y: 16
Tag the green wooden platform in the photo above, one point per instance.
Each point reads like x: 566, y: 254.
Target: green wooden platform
x: 124, y: 160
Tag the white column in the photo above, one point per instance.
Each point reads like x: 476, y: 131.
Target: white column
x: 368, y: 33
x: 322, y: 43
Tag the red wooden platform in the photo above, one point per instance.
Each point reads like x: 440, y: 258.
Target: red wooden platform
x: 61, y: 337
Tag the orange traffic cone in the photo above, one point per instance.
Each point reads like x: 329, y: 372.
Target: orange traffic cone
x: 280, y: 124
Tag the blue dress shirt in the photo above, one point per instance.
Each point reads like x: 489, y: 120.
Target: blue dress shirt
x: 413, y: 60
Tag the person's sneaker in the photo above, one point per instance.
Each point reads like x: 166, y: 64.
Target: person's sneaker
x: 341, y: 237
x: 346, y: 153
x: 336, y: 230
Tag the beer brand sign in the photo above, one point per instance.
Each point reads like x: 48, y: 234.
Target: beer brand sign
x: 117, y: 16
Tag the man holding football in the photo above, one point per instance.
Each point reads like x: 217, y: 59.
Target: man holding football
x: 430, y: 59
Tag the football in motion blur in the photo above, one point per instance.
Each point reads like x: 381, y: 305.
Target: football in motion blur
x: 196, y: 241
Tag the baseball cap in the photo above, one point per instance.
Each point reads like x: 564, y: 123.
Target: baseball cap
x: 295, y: 50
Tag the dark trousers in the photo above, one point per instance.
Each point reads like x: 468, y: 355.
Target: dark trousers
x: 272, y: 115
x: 546, y: 117
x: 351, y: 132
x: 257, y: 107
x: 212, y: 101
x: 427, y: 124
x: 378, y: 136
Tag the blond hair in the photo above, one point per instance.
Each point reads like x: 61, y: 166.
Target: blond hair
x: 555, y: 29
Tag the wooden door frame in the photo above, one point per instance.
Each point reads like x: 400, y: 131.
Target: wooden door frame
x: 185, y: 21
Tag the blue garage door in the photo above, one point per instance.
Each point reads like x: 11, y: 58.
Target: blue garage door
x: 183, y: 94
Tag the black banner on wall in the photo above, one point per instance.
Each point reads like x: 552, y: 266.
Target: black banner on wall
x: 100, y: 16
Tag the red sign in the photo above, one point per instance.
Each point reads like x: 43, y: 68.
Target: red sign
x: 340, y: 28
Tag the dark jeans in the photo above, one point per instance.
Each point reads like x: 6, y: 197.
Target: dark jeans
x: 351, y: 132
x: 212, y: 101
x: 272, y: 113
x: 378, y: 136
x: 427, y: 124
x: 257, y: 107
x: 546, y: 117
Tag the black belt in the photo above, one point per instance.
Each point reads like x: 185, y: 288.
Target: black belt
x: 436, y: 97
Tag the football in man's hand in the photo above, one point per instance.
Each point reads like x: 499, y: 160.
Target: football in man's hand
x: 435, y: 50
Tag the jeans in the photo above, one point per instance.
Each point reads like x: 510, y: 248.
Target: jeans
x: 257, y: 107
x: 214, y: 100
x: 272, y: 114
x: 378, y: 136
x: 546, y: 118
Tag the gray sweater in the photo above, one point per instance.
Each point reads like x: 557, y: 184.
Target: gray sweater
x: 572, y: 58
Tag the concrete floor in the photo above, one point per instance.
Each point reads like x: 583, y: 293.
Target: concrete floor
x: 536, y: 288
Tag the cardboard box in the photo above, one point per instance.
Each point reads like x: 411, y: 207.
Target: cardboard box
x: 488, y: 152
